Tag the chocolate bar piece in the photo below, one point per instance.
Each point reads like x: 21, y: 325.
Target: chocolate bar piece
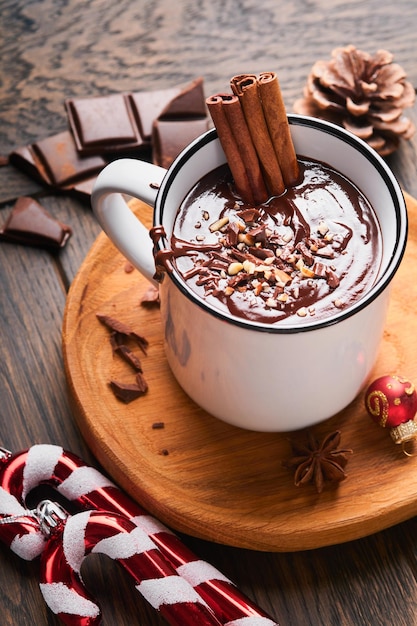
x: 183, y: 119
x: 119, y: 123
x: 29, y: 223
x: 55, y: 161
x: 23, y: 159
x: 148, y: 105
x: 170, y: 137
x: 103, y: 124
x: 61, y: 161
x: 84, y: 189
x: 189, y: 103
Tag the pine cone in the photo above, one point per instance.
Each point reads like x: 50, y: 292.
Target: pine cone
x: 365, y: 94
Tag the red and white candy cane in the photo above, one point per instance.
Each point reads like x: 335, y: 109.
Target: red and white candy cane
x: 89, y: 489
x: 117, y: 537
x: 63, y: 541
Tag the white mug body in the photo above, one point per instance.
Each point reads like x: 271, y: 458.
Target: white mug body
x: 261, y: 377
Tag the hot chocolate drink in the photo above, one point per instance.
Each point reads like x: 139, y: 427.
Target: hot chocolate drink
x: 307, y: 253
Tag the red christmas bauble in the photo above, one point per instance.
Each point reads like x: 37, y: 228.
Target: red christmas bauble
x: 391, y: 401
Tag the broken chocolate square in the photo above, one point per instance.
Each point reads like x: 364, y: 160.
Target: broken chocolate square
x: 61, y: 161
x: 170, y: 137
x: 148, y: 105
x: 23, y: 159
x: 189, y: 103
x: 29, y: 223
x: 55, y: 161
x: 126, y: 392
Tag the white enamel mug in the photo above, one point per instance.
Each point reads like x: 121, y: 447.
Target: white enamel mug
x: 256, y: 376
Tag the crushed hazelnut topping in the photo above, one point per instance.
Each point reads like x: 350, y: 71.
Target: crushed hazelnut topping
x: 234, y: 268
x: 218, y: 225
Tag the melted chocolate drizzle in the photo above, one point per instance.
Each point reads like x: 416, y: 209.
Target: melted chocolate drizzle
x: 312, y: 250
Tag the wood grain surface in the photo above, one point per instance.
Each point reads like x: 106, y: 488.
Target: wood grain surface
x: 51, y: 50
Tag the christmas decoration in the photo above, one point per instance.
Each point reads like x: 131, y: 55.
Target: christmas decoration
x: 391, y: 401
x: 117, y: 537
x: 184, y: 589
x: 363, y: 93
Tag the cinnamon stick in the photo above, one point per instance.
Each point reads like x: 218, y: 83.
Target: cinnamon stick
x: 245, y: 86
x: 279, y: 130
x: 236, y: 141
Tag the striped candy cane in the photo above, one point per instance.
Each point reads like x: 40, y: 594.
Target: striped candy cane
x: 117, y: 537
x: 63, y: 542
x: 89, y: 489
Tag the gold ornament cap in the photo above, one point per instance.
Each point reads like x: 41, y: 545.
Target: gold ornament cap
x: 404, y: 432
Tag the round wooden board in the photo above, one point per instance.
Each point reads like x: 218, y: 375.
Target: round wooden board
x: 211, y: 480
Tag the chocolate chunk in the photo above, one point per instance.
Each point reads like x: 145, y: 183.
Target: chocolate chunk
x: 30, y: 224
x: 24, y: 160
x: 55, y: 161
x: 123, y: 329
x: 188, y: 104
x: 62, y: 163
x: 170, y: 137
x: 129, y: 356
x: 148, y: 106
x: 126, y: 392
x: 103, y: 124
x: 125, y: 122
x: 150, y: 297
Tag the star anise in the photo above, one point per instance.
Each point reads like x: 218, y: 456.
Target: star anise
x: 318, y: 462
x: 366, y: 94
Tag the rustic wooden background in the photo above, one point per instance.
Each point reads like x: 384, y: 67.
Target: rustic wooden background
x: 51, y: 50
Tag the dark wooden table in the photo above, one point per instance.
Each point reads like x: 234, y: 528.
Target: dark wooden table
x: 52, y: 50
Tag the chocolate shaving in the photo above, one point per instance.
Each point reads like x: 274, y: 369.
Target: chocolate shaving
x: 129, y: 356
x: 127, y: 392
x: 150, y: 297
x: 141, y: 382
x: 123, y: 329
x: 120, y: 332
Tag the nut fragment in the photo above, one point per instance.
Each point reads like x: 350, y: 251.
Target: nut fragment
x: 249, y: 267
x: 218, y: 224
x: 234, y: 268
x: 307, y: 272
x: 323, y: 228
x: 271, y: 303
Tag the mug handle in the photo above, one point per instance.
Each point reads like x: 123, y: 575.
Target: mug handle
x: 134, y: 178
